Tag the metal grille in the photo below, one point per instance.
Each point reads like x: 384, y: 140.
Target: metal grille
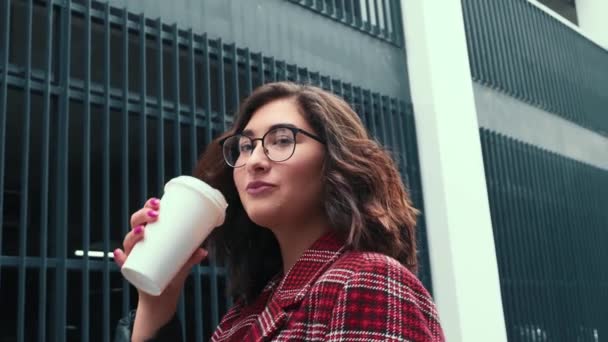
x: 518, y: 48
x: 379, y: 18
x: 98, y: 108
x: 549, y: 219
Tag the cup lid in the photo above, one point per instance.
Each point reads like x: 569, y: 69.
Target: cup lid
x: 205, y: 189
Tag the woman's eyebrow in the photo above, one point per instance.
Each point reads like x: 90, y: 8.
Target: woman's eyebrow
x: 249, y: 132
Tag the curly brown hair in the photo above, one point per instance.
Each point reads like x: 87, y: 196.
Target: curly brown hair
x: 365, y: 199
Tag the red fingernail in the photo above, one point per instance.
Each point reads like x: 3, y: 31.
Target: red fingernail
x: 152, y: 213
x: 155, y: 201
x: 137, y: 230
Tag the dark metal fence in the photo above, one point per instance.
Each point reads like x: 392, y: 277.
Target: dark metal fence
x: 378, y: 18
x: 98, y: 108
x: 516, y: 47
x: 550, y: 221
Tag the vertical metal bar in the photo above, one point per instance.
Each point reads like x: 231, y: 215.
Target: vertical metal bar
x: 105, y: 194
x: 368, y: 22
x: 86, y: 176
x: 160, y: 94
x: 534, y: 47
x: 371, y: 112
x: 396, y: 127
x: 496, y: 192
x: 125, y: 184
x: 143, y: 141
x: 235, y: 79
x: 485, y: 43
x: 222, y: 113
x: 44, y: 179
x: 498, y: 50
x: 209, y: 121
x: 472, y: 32
x: 543, y: 262
x: 25, y: 165
x: 62, y: 176
x: 395, y: 29
x: 510, y: 46
x: 563, y: 258
x: 568, y: 95
x: 198, y: 309
x: 261, y: 70
x: 248, y: 72
x: 3, y: 95
x: 538, y: 34
x: 551, y: 213
x: 177, y: 148
x: 512, y: 224
x: 207, y: 88
x: 273, y: 69
x: 177, y: 106
x: 248, y: 76
x: 385, y: 29
x: 361, y: 107
x: 536, y: 261
x: 520, y: 49
x: 352, y: 18
x: 376, y: 30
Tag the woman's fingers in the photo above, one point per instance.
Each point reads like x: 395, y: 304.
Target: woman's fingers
x: 196, y: 258
x: 119, y: 257
x: 178, y: 282
x: 147, y: 214
x: 132, y: 238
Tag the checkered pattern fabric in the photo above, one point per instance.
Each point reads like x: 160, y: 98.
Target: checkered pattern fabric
x: 335, y: 294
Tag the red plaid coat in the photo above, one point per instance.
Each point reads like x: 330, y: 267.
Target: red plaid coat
x: 332, y: 294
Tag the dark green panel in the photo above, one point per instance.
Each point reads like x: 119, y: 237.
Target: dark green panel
x: 517, y: 48
x: 548, y: 216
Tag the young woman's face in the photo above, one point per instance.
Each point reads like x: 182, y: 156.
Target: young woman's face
x: 278, y: 193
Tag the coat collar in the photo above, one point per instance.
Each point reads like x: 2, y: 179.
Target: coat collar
x: 289, y: 291
x: 309, y: 267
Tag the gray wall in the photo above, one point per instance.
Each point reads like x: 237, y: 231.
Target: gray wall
x: 504, y: 114
x: 272, y: 26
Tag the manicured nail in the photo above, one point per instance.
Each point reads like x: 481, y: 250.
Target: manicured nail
x: 137, y: 230
x: 152, y: 213
x: 155, y: 201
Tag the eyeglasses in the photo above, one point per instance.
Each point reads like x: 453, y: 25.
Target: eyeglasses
x: 278, y: 144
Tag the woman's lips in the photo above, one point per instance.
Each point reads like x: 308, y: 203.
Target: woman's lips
x: 259, y: 190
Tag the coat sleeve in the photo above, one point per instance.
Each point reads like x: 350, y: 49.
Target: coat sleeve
x: 383, y: 301
x: 171, y: 331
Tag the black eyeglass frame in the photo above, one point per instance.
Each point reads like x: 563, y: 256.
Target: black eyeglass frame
x: 294, y: 130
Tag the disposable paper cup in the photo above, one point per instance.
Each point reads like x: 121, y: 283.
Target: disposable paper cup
x: 189, y: 211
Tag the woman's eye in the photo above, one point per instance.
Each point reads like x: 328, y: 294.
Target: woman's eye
x: 245, y: 148
x: 283, y: 141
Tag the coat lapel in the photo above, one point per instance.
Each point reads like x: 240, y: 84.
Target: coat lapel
x: 295, y: 285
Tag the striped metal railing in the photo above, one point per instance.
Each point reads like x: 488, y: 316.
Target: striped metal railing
x: 519, y: 49
x: 378, y: 18
x: 550, y: 231
x: 98, y: 108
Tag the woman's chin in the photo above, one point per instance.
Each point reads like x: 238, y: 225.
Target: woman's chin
x: 264, y: 217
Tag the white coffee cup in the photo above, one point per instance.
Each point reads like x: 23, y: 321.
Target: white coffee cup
x: 189, y: 210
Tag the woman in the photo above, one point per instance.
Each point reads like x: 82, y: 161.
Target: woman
x: 319, y: 234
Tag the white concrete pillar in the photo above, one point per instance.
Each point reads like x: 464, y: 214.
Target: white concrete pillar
x: 593, y: 19
x: 461, y: 245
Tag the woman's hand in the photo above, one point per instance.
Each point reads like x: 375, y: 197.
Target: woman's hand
x: 154, y: 311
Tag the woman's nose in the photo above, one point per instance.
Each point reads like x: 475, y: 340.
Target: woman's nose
x: 258, y: 159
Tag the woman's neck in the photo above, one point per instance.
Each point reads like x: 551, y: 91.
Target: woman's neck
x: 296, y: 239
